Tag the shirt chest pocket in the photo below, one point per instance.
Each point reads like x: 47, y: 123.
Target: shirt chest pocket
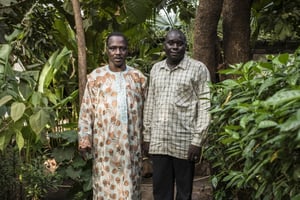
x: 183, y: 95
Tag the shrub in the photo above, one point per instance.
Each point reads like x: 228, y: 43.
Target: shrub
x: 254, y: 140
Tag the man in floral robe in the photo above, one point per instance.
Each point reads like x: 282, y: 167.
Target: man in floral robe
x: 110, y: 124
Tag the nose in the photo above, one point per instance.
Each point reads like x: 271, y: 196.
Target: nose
x: 118, y: 50
x: 175, y: 46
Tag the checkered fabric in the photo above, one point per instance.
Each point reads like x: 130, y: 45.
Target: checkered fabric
x: 176, y: 109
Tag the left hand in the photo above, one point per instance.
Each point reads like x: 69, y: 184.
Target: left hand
x: 194, y: 153
x: 85, y: 153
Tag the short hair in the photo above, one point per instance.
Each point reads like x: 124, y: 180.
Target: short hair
x: 116, y: 34
x: 177, y: 31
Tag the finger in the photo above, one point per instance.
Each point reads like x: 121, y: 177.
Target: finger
x: 191, y: 157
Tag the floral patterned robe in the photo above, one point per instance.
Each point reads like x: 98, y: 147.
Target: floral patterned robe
x: 110, y: 122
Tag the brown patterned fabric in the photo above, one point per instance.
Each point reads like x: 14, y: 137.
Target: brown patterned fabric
x: 110, y: 123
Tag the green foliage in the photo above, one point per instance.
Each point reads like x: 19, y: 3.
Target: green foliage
x: 276, y: 19
x: 71, y: 166
x: 9, y: 183
x: 254, y: 136
x: 32, y: 105
x: 26, y: 112
x: 37, y: 180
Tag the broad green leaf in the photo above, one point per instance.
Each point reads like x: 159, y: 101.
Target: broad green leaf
x: 265, y: 66
x: 5, y: 50
x: 267, y: 124
x: 236, y: 180
x: 230, y: 175
x: 214, y: 181
x: 245, y: 120
x: 19, y: 140
x: 61, y: 58
x: 2, y: 142
x: 73, y: 173
x: 260, y: 190
x: 248, y: 149
x: 282, y: 97
x: 227, y: 141
x: 26, y: 91
x: 70, y: 136
x: 281, y: 59
x: 267, y: 83
x: 47, y: 71
x: 52, y: 97
x: 39, y: 120
x: 5, y: 99
x: 233, y: 134
x: 87, y: 186
x: 293, y: 123
x: 67, y: 35
x: 51, y: 67
x: 275, y: 139
x: 230, y: 83
x: 5, y: 139
x: 36, y: 99
x: 78, y: 162
x: 256, y: 169
x: 17, y: 110
x: 293, y: 78
x: 62, y: 154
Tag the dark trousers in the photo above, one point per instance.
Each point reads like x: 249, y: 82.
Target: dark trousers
x: 169, y: 171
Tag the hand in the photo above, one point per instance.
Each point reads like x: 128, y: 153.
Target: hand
x: 84, y: 152
x: 145, y: 148
x: 194, y: 153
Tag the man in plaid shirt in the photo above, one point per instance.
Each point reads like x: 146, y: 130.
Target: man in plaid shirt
x: 176, y: 118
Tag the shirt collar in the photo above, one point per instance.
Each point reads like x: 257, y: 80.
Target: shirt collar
x: 182, y: 64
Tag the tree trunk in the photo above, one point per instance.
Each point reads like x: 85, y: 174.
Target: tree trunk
x: 205, y: 34
x: 236, y: 31
x: 82, y: 69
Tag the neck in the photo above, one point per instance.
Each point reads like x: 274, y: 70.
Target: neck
x: 117, y: 69
x: 172, y: 64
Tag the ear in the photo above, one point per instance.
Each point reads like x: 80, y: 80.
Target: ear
x: 164, y: 46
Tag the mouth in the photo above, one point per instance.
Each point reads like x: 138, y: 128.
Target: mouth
x: 118, y: 59
x: 174, y: 53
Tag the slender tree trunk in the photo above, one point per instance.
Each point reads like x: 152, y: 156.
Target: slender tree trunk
x: 205, y: 34
x: 236, y: 31
x: 82, y: 69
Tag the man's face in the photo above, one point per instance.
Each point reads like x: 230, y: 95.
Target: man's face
x: 175, y: 46
x: 117, y: 52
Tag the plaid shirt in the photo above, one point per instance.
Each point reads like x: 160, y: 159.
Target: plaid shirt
x: 176, y: 109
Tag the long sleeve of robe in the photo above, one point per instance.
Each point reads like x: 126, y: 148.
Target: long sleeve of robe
x: 110, y: 123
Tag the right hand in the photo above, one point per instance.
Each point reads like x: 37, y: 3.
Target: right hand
x: 84, y: 152
x: 145, y: 147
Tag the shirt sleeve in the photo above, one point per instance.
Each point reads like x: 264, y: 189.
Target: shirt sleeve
x: 148, y: 111
x: 86, y: 120
x: 202, y: 120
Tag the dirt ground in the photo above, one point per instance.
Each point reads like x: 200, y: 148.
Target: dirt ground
x: 201, y: 190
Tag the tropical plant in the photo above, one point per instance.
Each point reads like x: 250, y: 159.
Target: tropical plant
x: 275, y: 20
x: 254, y: 136
x: 29, y: 110
x: 37, y: 181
